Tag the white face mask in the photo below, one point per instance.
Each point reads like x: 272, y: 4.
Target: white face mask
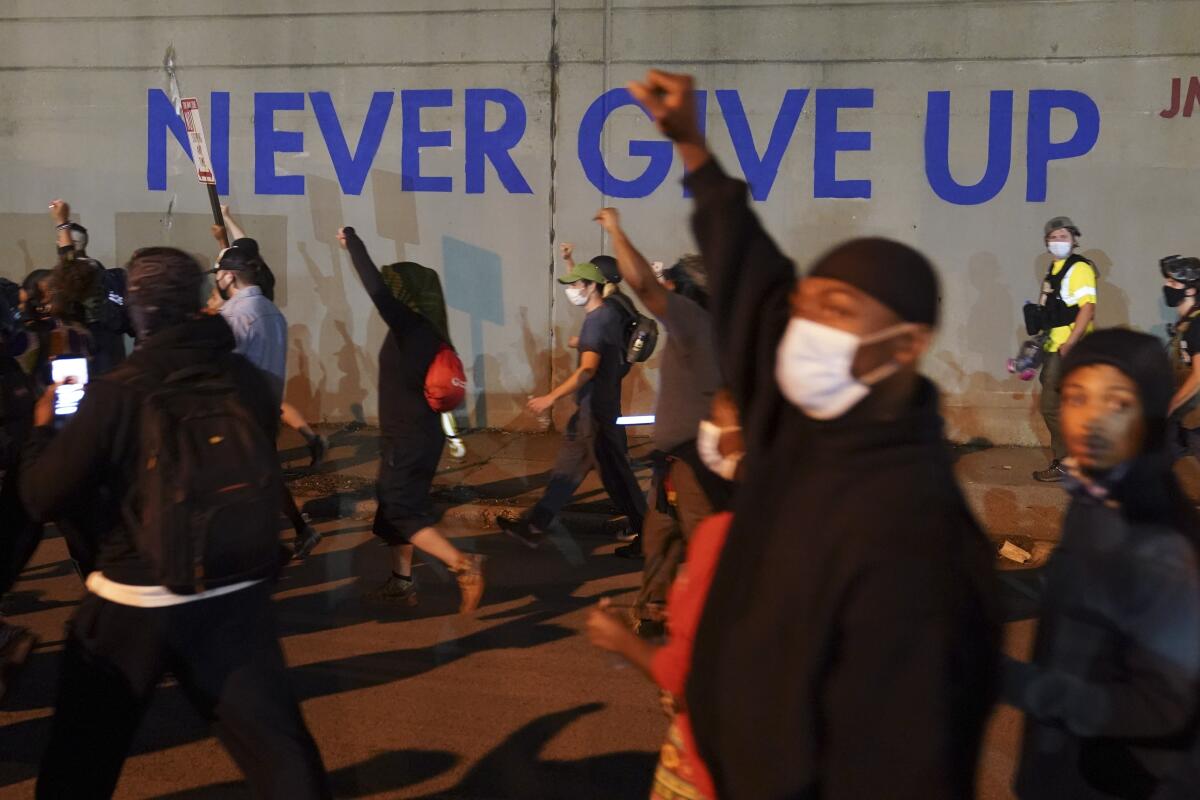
x: 578, y: 295
x: 1059, y: 249
x: 813, y: 367
x: 708, y: 445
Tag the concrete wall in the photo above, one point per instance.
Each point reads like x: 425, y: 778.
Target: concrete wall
x: 74, y: 122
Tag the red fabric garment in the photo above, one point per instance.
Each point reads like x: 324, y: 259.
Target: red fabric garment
x: 685, y: 603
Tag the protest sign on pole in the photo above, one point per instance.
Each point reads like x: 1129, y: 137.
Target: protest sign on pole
x: 189, y: 110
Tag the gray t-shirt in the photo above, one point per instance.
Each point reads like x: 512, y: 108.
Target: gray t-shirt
x: 689, y: 375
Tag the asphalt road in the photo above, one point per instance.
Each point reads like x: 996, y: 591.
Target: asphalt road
x: 509, y: 702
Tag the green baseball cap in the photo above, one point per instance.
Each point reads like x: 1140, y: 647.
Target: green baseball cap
x: 587, y: 271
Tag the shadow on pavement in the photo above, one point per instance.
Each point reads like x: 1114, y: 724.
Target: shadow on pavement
x: 545, y: 579
x: 515, y: 768
x: 386, y: 772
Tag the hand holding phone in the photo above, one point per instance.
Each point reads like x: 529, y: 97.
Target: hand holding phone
x: 70, y: 375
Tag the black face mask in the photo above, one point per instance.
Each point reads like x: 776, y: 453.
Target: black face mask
x: 1174, y: 296
x: 223, y: 291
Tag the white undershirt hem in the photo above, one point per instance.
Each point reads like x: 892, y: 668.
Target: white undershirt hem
x: 153, y: 596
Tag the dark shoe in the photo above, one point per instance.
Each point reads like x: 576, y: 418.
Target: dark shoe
x: 1051, y: 474
x: 306, y: 540
x: 631, y: 550
x: 318, y: 446
x: 522, y: 530
x: 469, y: 572
x: 395, y: 592
x: 650, y: 628
x: 626, y: 534
x: 16, y: 643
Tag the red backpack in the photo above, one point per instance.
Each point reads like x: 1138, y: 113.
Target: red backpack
x: 445, y: 382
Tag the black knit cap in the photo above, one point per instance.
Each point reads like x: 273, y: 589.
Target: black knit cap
x: 1139, y: 356
x: 892, y: 273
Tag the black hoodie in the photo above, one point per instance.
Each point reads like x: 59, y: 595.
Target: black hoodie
x: 86, y: 472
x: 1110, y: 697
x: 848, y: 647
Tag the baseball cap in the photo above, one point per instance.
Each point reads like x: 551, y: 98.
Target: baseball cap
x: 587, y: 271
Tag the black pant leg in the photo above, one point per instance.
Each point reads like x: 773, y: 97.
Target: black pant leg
x: 111, y: 662
x: 616, y: 473
x: 225, y: 652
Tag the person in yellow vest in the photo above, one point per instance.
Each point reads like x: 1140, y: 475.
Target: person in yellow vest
x: 1181, y: 280
x: 1068, y: 304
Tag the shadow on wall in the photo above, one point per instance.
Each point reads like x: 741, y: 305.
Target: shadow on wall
x: 1112, y: 302
x: 193, y: 233
x: 26, y: 244
x: 474, y: 284
x: 329, y: 288
x: 993, y: 329
x: 302, y: 391
x: 395, y: 213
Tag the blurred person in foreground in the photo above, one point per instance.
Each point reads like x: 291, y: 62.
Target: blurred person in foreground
x: 848, y: 647
x: 1110, y: 697
x: 172, y: 455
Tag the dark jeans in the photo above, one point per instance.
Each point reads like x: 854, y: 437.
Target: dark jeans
x: 1050, y: 378
x: 588, y: 443
x: 225, y: 653
x: 666, y: 536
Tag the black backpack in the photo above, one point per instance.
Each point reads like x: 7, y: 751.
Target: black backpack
x: 641, y: 332
x: 208, y: 483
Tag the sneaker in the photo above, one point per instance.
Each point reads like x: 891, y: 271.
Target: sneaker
x: 305, y: 541
x: 458, y: 450
x: 394, y: 591
x: 16, y: 643
x: 1051, y: 474
x: 469, y: 574
x: 318, y: 446
x: 631, y: 550
x: 522, y: 530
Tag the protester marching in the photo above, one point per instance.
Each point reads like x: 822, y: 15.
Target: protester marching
x: 818, y: 605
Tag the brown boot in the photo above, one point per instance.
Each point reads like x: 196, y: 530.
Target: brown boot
x: 470, y: 581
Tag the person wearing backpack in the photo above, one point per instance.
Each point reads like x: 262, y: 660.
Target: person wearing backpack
x: 683, y: 491
x: 412, y: 363
x: 173, y: 457
x: 1067, y: 309
x: 593, y: 437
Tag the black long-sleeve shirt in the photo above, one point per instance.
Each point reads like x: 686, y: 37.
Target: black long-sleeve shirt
x: 848, y: 647
x: 405, y: 356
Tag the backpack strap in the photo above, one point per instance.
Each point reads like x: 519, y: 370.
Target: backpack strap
x: 623, y: 304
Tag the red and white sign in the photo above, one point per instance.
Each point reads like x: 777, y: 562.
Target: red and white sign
x: 189, y: 109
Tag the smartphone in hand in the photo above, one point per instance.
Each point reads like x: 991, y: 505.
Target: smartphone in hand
x: 71, y: 374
